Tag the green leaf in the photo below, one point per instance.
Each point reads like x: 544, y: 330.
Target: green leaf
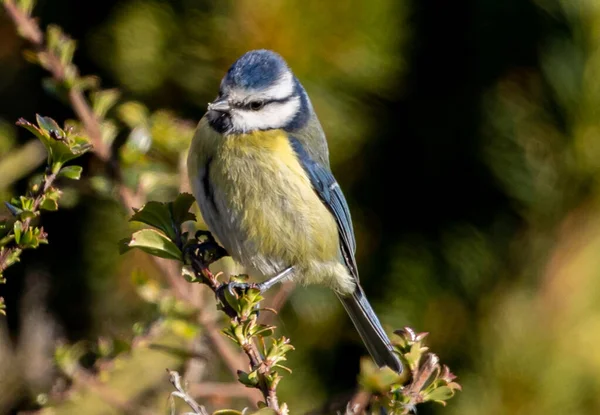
x: 71, y: 172
x: 61, y: 147
x: 49, y: 125
x: 85, y: 83
x: 18, y: 231
x: 27, y: 214
x: 26, y: 203
x: 12, y: 257
x: 180, y: 208
x: 26, y: 6
x: 157, y: 215
x: 248, y: 379
x: 227, y: 412
x: 441, y: 394
x: 104, y: 100
x: 152, y: 242
x: 50, y: 199
x: 33, y: 237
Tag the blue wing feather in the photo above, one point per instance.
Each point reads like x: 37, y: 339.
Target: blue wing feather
x: 331, y: 194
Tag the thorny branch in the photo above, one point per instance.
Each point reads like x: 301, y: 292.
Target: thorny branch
x: 244, y: 329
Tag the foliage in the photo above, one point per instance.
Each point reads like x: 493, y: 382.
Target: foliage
x: 18, y: 232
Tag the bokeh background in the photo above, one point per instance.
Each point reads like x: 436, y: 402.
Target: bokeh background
x: 465, y: 135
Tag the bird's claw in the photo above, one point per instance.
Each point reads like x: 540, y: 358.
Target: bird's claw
x: 235, y: 289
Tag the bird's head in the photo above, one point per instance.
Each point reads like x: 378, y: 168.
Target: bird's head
x: 259, y: 92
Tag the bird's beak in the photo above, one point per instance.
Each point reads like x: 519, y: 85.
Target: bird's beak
x: 220, y: 105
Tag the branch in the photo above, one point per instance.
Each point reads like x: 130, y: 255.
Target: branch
x: 242, y: 308
x: 175, y: 379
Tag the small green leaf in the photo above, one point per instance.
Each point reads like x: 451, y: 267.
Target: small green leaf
x: 180, y: 208
x: 248, y: 379
x: 50, y: 126
x: 27, y: 214
x: 156, y: 214
x: 12, y: 257
x: 26, y: 203
x: 104, y: 100
x: 71, y: 172
x: 85, y: 83
x: 152, y: 242
x: 18, y: 231
x: 440, y: 394
x: 49, y: 204
x: 50, y: 199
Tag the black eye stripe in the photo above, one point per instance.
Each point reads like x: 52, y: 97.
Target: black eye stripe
x: 247, y: 105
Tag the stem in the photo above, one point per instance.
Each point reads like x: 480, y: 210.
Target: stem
x: 39, y: 196
x: 175, y: 379
x: 257, y: 362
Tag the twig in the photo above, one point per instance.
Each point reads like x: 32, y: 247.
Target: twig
x: 175, y: 379
x: 266, y: 378
x: 49, y: 178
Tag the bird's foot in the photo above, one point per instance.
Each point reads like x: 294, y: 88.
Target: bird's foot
x: 236, y: 290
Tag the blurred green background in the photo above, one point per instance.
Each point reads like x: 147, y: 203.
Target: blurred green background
x: 466, y: 137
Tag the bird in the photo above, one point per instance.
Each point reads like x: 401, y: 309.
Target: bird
x: 258, y: 166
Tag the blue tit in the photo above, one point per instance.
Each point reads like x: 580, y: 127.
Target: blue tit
x: 259, y: 169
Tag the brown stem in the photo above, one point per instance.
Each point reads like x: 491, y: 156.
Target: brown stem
x: 28, y: 28
x: 175, y: 379
x: 258, y: 363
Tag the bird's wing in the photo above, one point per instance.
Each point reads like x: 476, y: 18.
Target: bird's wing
x: 331, y: 194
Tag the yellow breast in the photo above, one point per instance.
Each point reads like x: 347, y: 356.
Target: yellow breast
x: 268, y: 191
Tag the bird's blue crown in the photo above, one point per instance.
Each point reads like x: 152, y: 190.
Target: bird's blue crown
x: 255, y: 70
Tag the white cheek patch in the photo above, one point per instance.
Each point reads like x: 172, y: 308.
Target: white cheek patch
x: 271, y: 116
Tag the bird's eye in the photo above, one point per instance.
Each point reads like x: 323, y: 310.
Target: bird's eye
x: 256, y: 105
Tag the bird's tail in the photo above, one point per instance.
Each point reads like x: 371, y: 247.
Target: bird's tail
x: 368, y: 326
